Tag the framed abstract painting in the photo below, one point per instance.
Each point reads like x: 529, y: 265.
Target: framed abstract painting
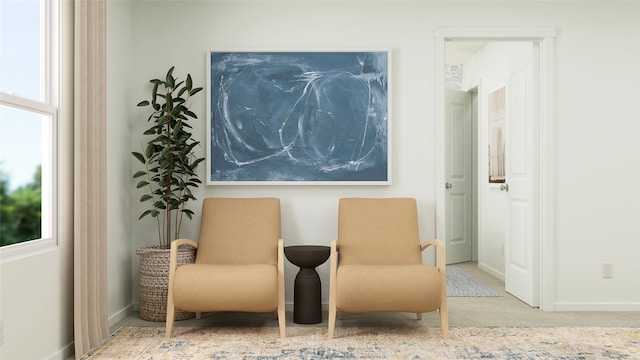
x: 298, y: 117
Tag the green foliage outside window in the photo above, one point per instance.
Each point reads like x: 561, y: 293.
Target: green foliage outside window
x: 20, y: 210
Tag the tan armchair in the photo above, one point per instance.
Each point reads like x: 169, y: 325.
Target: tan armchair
x: 239, y: 261
x: 376, y: 262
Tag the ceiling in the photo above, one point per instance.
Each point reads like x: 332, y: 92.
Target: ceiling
x: 457, y: 52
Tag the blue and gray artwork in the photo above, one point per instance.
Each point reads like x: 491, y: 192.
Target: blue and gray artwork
x: 299, y: 116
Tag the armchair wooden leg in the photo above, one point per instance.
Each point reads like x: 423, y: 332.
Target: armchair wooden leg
x: 282, y: 322
x: 198, y: 315
x: 171, y: 313
x: 332, y: 320
x: 419, y: 316
x: 340, y: 315
x: 444, y: 321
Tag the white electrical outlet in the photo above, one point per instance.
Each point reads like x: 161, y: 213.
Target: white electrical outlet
x: 607, y: 270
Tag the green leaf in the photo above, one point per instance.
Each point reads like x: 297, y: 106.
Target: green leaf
x: 150, y: 150
x: 154, y: 92
x: 195, y: 91
x: 143, y: 103
x: 147, y: 212
x: 159, y: 205
x: 139, y: 174
x: 177, y: 128
x: 145, y: 197
x: 196, y: 162
x: 139, y: 156
x: 189, y: 82
x: 142, y: 184
x: 170, y: 81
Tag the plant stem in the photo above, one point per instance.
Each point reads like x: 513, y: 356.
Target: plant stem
x: 169, y: 174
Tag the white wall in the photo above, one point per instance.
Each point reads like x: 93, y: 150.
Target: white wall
x: 119, y: 220
x: 596, y: 98
x: 597, y: 161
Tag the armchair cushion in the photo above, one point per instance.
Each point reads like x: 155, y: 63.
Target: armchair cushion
x: 411, y: 288
x: 202, y: 287
x: 239, y: 231
x: 378, y: 231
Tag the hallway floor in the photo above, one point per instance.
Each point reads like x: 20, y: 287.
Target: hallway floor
x: 505, y: 310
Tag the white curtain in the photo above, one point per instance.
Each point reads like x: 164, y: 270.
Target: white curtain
x: 91, y: 326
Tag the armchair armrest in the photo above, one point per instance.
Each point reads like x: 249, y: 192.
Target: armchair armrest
x: 281, y: 310
x: 333, y: 269
x: 281, y: 261
x: 440, y: 259
x: 333, y: 264
x: 280, y: 254
x: 173, y: 264
x: 173, y: 257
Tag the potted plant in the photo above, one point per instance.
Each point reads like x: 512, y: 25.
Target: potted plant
x: 167, y: 180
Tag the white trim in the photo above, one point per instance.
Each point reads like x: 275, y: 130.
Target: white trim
x: 544, y: 36
x: 545, y: 180
x: 489, y: 33
x: 497, y: 274
x: 65, y: 353
x: 18, y: 102
x: 120, y: 315
x: 603, y: 306
x: 28, y: 248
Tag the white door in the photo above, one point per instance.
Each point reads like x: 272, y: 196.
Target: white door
x: 458, y: 176
x: 521, y: 255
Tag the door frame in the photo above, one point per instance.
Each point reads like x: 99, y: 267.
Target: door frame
x: 544, y: 38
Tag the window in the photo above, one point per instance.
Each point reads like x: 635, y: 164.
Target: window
x: 28, y: 126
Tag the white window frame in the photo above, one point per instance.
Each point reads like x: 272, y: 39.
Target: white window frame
x: 47, y: 106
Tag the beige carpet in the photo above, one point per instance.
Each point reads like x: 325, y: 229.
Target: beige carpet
x: 371, y: 343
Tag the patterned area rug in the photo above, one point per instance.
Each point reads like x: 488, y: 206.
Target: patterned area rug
x: 461, y: 284
x: 371, y: 343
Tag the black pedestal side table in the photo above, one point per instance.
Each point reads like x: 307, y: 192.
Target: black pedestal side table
x: 307, y: 299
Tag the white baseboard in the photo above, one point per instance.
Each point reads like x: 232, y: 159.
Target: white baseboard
x: 289, y: 306
x: 491, y: 271
x: 605, y: 306
x: 66, y: 353
x: 119, y: 315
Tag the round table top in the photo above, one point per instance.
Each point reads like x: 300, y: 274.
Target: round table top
x: 307, y: 256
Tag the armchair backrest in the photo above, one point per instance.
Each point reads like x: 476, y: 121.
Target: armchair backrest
x: 239, y: 231
x: 378, y: 231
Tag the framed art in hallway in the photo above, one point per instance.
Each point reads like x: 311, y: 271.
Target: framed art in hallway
x: 298, y: 118
x: 496, y: 136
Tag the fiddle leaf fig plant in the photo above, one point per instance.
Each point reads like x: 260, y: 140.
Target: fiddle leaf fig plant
x: 169, y: 158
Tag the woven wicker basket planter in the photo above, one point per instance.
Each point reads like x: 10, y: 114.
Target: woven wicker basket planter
x: 154, y: 281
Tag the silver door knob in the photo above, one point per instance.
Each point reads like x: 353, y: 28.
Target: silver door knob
x: 448, y: 185
x: 504, y: 187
